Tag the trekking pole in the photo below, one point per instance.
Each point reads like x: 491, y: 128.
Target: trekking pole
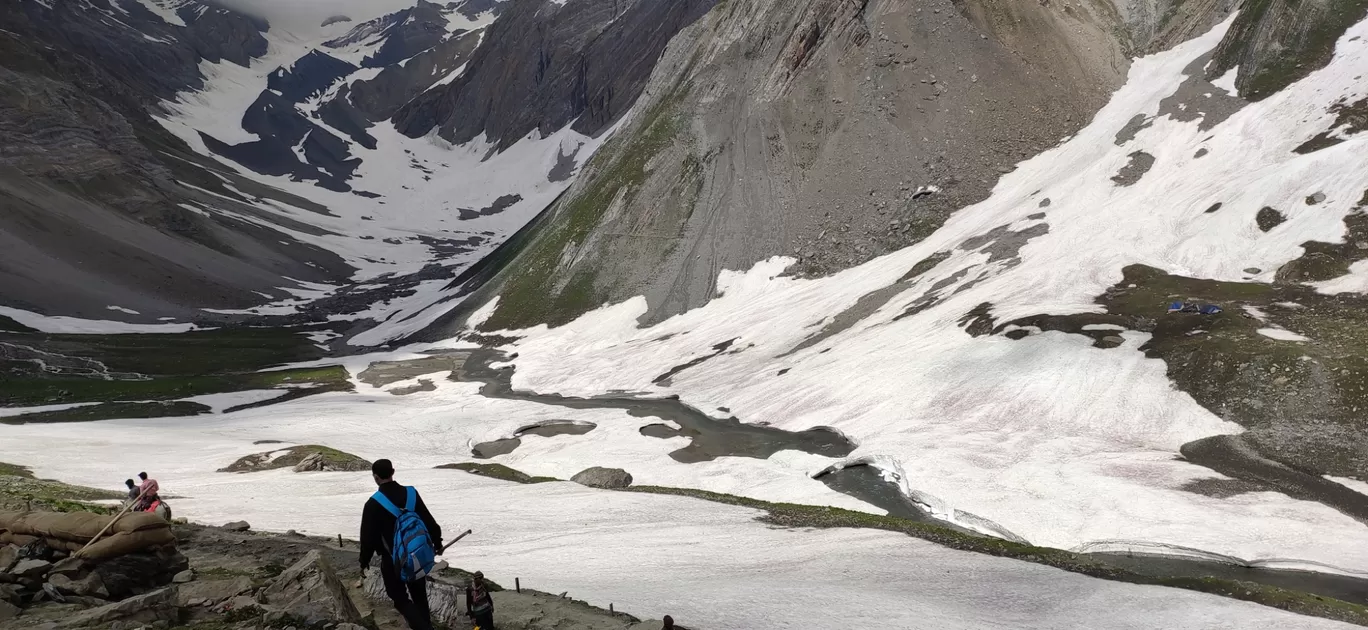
x: 458, y: 539
x: 112, y: 521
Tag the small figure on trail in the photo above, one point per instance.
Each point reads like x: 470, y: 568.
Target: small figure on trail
x: 148, y: 489
x: 479, y: 604
x: 669, y: 623
x: 133, y: 491
x: 406, y: 538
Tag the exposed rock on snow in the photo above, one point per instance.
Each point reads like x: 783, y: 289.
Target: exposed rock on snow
x: 607, y: 478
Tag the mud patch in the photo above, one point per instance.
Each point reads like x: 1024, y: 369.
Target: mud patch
x: 1127, y: 133
x: 667, y: 379
x: 1231, y: 455
x: 1197, y: 99
x: 423, y: 385
x: 1350, y: 119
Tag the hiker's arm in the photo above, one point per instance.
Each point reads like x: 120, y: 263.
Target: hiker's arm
x: 433, y: 528
x: 470, y: 608
x: 368, y: 532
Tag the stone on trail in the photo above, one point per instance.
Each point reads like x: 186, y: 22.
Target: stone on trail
x: 8, y: 611
x: 214, y: 591
x: 31, y: 568
x: 70, y: 567
x: 237, y: 526
x: 599, y: 477
x: 8, y: 556
x: 311, y: 591
x: 147, y: 609
x: 184, y: 577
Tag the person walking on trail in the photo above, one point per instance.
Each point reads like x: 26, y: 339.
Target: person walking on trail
x: 479, y: 605
x: 396, y: 523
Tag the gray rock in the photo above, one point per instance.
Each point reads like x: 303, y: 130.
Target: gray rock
x: 214, y: 591
x: 31, y: 568
x: 8, y: 556
x: 70, y: 567
x: 8, y: 611
x: 237, y: 526
x: 10, y: 593
x: 243, y: 604
x: 598, y: 477
x: 134, y: 573
x: 310, y: 590
x: 147, y: 609
x: 184, y: 577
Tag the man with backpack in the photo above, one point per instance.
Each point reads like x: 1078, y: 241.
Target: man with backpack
x: 396, y: 524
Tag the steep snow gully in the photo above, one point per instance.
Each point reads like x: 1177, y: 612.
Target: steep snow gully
x: 936, y: 382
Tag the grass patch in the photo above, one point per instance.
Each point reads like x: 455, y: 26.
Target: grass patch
x: 19, y: 491
x: 543, y: 289
x: 332, y: 458
x: 48, y: 391
x: 14, y: 470
x: 109, y: 411
x: 497, y: 471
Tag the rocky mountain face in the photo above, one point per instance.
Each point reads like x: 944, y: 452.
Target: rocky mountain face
x: 553, y: 64
x: 835, y: 131
x: 95, y: 191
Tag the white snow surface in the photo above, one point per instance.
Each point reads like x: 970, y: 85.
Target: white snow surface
x: 424, y: 183
x: 1057, y: 441
x: 10, y: 412
x: 60, y: 324
x: 1356, y: 281
x: 710, y: 564
x: 1281, y: 334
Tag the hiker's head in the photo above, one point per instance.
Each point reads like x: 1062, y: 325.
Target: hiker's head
x: 130, y: 483
x: 382, y: 470
x: 478, y: 578
x: 142, y: 476
x: 669, y: 623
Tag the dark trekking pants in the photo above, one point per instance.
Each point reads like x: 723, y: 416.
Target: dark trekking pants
x: 484, y: 619
x: 409, y: 599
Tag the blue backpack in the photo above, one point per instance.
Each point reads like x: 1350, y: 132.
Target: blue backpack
x: 411, y: 551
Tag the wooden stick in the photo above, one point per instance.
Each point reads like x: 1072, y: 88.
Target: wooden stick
x: 458, y: 539
x: 112, y: 521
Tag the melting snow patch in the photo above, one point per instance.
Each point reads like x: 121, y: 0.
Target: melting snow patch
x: 73, y: 325
x: 9, y: 412
x: 1103, y: 327
x: 1356, y: 281
x: 1350, y: 483
x: 1227, y: 81
x: 123, y: 310
x: 1281, y: 335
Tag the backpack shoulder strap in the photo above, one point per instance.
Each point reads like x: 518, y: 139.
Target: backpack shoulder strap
x: 412, y: 501
x: 384, y: 502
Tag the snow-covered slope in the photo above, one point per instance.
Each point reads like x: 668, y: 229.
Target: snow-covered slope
x: 934, y: 356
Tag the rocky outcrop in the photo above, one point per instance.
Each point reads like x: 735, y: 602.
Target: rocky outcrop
x: 550, y: 64
x: 810, y: 129
x: 607, y: 478
x: 1276, y: 42
x: 308, y: 77
x: 87, y: 175
x: 379, y: 98
x: 158, y: 606
x: 310, y: 591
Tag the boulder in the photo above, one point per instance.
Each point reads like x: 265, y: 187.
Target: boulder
x: 8, y: 611
x: 183, y: 577
x: 214, y: 591
x: 71, y: 567
x: 311, y: 591
x: 8, y: 556
x: 138, y: 572
x: 10, y: 593
x: 598, y: 477
x: 237, y: 526
x: 145, y: 609
x: 91, y: 586
x: 31, y: 568
x: 313, y: 463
